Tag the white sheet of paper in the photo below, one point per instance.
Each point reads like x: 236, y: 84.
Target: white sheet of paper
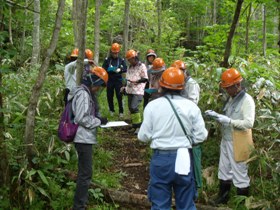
x: 114, y: 124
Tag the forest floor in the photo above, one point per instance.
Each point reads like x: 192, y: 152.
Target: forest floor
x: 132, y: 158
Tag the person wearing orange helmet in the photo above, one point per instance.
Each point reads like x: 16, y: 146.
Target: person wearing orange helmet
x: 70, y: 69
x: 239, y: 114
x: 154, y: 74
x: 150, y: 57
x: 171, y: 163
x: 84, y: 110
x: 116, y: 68
x: 136, y: 78
x: 191, y: 91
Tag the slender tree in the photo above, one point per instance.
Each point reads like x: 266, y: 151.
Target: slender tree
x: 97, y: 30
x: 248, y: 16
x: 35, y: 94
x: 264, y: 30
x: 159, y: 23
x: 126, y: 24
x: 23, y: 30
x: 36, y: 34
x: 10, y: 26
x: 225, y: 63
x: 82, y: 20
x: 75, y: 21
x: 4, y: 167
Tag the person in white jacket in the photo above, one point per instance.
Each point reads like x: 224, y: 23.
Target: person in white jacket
x: 171, y: 164
x: 84, y: 110
x: 239, y: 113
x: 70, y: 70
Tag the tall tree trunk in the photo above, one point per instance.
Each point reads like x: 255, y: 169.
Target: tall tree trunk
x: 214, y: 12
x: 97, y: 30
x: 126, y: 25
x: 225, y: 63
x: 36, y: 34
x: 75, y: 21
x: 264, y: 29
x: 4, y: 167
x: 278, y: 6
x: 35, y: 94
x: 159, y: 24
x: 82, y: 20
x: 23, y: 31
x: 10, y: 26
x: 247, y: 27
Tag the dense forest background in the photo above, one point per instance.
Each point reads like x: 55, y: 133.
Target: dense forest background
x: 37, y: 37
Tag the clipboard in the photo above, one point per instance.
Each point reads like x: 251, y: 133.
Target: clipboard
x: 114, y: 124
x: 242, y: 144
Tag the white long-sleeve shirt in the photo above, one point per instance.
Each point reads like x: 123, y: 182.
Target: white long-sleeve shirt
x: 191, y: 90
x: 162, y: 128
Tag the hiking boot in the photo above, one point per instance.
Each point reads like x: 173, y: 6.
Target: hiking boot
x: 224, y: 191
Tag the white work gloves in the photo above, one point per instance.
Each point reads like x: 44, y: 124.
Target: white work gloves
x: 211, y: 113
x: 219, y: 117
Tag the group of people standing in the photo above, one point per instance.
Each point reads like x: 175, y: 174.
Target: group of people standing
x: 172, y: 123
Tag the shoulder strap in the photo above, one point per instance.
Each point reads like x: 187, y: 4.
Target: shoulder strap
x: 180, y: 121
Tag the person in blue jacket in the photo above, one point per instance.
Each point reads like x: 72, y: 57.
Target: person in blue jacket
x: 116, y: 68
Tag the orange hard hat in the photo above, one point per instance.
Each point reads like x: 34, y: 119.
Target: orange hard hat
x: 130, y: 54
x: 100, y: 72
x: 115, y: 48
x: 89, y: 54
x: 75, y: 52
x: 172, y: 78
x: 230, y: 77
x: 179, y: 64
x: 151, y: 52
x: 158, y: 65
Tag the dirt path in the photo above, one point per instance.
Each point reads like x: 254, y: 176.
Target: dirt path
x: 132, y: 158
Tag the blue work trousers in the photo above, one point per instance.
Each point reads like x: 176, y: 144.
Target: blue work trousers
x: 163, y: 180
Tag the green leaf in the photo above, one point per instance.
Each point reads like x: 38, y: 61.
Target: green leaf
x: 43, y: 192
x: 43, y: 178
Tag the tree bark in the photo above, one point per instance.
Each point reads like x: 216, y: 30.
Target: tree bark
x: 247, y: 27
x: 264, y: 29
x: 82, y: 20
x: 75, y: 22
x: 159, y: 24
x: 214, y: 12
x: 10, y: 26
x: 126, y: 25
x: 4, y: 166
x: 225, y: 63
x: 23, y: 31
x: 97, y: 31
x: 36, y: 34
x: 35, y: 94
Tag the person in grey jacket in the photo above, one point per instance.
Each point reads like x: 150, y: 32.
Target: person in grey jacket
x: 84, y: 109
x: 239, y: 114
